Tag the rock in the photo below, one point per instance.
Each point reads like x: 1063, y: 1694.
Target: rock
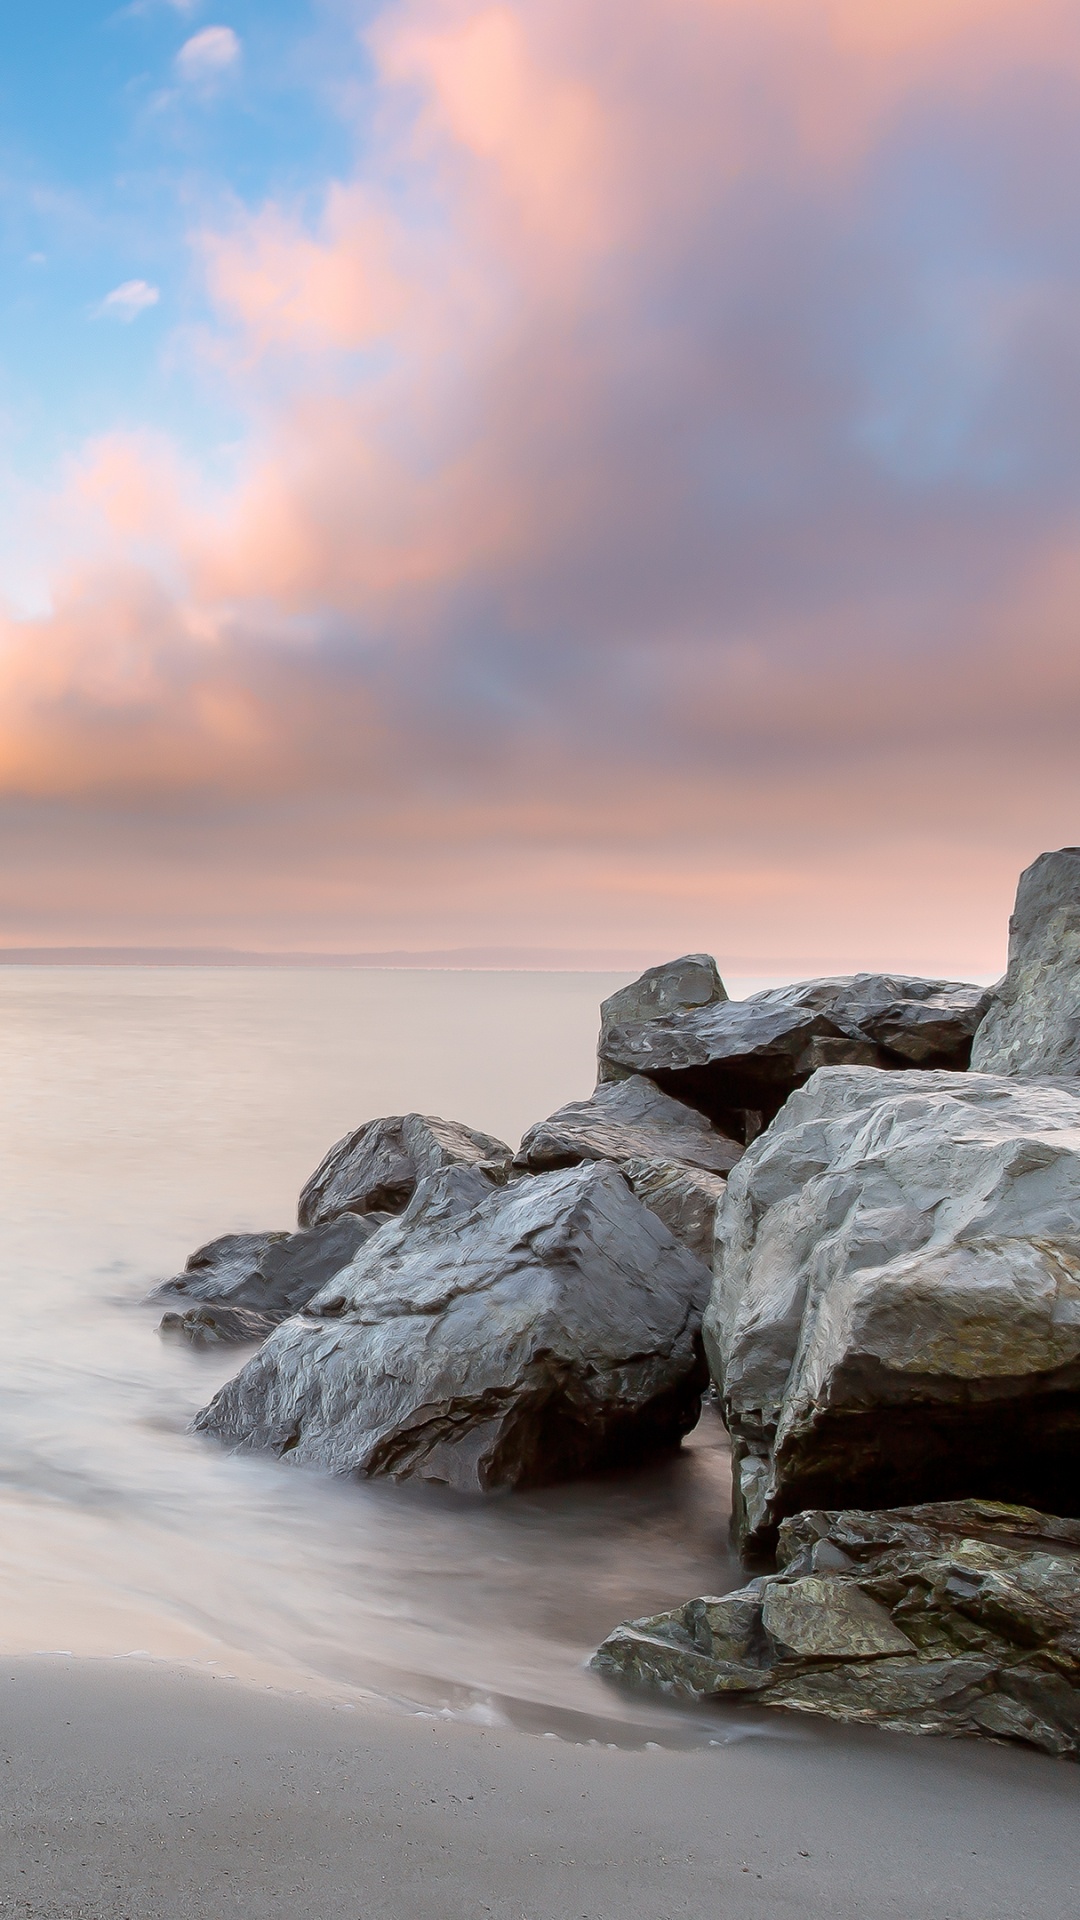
x: 1033, y: 1026
x: 684, y: 1198
x: 955, y: 1618
x: 376, y: 1168
x: 246, y: 1283
x: 487, y: 1338
x: 629, y: 1120
x: 675, y: 987
x: 673, y: 1157
x: 737, y: 1058
x: 896, y: 1310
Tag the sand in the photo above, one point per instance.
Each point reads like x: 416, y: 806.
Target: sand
x: 137, y: 1792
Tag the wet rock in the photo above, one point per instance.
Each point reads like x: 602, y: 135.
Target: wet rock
x: 630, y: 1120
x: 246, y: 1283
x: 1033, y: 1025
x: 376, y: 1168
x: 673, y: 1157
x: 950, y: 1618
x: 678, y: 986
x: 896, y: 1309
x: 487, y: 1338
x: 684, y: 1198
x: 738, y: 1058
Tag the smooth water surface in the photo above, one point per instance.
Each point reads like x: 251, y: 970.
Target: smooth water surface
x: 146, y: 1111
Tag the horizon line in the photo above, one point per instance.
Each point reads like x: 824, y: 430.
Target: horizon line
x: 524, y: 959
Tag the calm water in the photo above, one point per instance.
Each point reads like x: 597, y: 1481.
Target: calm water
x: 146, y: 1111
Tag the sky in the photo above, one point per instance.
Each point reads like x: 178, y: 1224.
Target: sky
x: 544, y: 475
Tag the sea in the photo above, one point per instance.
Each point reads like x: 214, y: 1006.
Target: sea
x: 144, y: 1112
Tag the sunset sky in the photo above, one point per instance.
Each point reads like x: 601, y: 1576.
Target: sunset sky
x: 596, y: 475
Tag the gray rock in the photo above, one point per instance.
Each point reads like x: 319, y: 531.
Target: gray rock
x: 738, y: 1058
x: 673, y: 1157
x: 956, y: 1618
x: 684, y: 1198
x: 486, y: 1338
x: 1033, y: 1026
x: 246, y: 1283
x: 675, y: 987
x: 896, y: 1309
x: 629, y: 1120
x: 376, y: 1168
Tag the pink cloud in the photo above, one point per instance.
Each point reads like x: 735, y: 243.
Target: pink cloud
x: 571, y: 585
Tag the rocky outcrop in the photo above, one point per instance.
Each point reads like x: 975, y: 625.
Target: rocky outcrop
x: 486, y: 1338
x: 629, y: 1120
x: 1033, y: 1025
x: 949, y: 1619
x: 896, y: 1309
x: 245, y: 1283
x: 376, y: 1168
x: 738, y: 1060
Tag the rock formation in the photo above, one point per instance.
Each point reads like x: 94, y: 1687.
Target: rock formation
x: 673, y: 1157
x: 738, y: 1060
x: 628, y: 1120
x: 896, y: 1309
x: 1033, y: 1026
x: 246, y: 1283
x: 376, y: 1168
x: 952, y: 1619
x: 685, y: 1198
x: 486, y: 1338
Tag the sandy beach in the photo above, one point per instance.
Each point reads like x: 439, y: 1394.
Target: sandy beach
x: 139, y: 1792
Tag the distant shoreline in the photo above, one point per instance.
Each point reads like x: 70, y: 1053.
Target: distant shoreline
x: 480, y: 959
x: 446, y: 959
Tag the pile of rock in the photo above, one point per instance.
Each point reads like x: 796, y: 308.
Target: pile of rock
x: 894, y: 1317
x: 957, y: 1618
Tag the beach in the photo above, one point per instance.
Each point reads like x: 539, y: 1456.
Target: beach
x: 146, y: 1793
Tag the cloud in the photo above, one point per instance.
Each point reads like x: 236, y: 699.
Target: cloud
x: 127, y: 301
x: 207, y: 55
x: 657, y: 518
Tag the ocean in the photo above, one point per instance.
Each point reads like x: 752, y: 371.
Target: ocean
x: 147, y: 1110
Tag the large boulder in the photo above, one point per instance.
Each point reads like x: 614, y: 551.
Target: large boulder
x: 375, y: 1169
x: 487, y: 1338
x: 673, y: 1157
x: 896, y: 1310
x: 738, y: 1060
x: 245, y: 1283
x: 1033, y: 1026
x: 628, y: 1120
x: 953, y: 1619
x: 676, y: 986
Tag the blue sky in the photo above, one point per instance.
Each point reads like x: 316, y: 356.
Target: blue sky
x: 109, y: 158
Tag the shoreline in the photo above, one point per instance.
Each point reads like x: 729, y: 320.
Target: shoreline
x: 151, y: 1793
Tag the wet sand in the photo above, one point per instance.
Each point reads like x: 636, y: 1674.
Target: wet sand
x: 137, y: 1792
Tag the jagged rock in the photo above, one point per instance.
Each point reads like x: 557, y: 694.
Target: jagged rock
x: 246, y: 1283
x: 738, y: 1058
x: 1033, y: 1026
x: 224, y: 1266
x: 672, y: 1156
x: 675, y: 987
x: 684, y: 1198
x: 953, y: 1618
x: 630, y: 1120
x: 376, y: 1168
x: 896, y: 1310
x: 486, y: 1338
